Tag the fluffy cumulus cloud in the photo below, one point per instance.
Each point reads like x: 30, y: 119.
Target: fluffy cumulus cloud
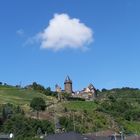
x: 65, y: 32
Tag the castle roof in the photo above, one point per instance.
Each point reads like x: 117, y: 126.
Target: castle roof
x: 91, y: 86
x: 68, y: 80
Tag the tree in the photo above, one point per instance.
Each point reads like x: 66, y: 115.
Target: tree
x: 38, y: 104
x: 7, y: 111
x: 37, y: 87
x: 25, y: 128
x: 65, y: 96
x: 18, y: 125
x: 104, y: 90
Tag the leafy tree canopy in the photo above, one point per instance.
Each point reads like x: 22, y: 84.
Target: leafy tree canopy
x: 38, y: 104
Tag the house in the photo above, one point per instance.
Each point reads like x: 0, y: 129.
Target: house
x: 67, y: 136
x: 88, y: 93
x: 4, y: 137
x: 104, y: 135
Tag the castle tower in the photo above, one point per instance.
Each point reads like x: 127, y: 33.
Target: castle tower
x: 68, y: 85
x: 58, y: 88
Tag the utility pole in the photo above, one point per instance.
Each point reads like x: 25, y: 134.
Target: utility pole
x: 137, y: 135
x: 115, y: 136
x: 121, y: 133
x: 19, y: 84
x: 82, y: 124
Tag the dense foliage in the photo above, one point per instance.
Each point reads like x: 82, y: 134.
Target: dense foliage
x: 122, y: 103
x: 37, y: 87
x: 13, y: 120
x: 84, y: 121
x: 38, y: 104
x: 26, y: 127
x: 116, y: 109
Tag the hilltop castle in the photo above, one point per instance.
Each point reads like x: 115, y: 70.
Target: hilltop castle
x: 67, y: 86
x: 88, y: 93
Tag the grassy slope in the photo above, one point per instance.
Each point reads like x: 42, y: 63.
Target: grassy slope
x: 131, y: 96
x: 18, y: 96
x: 80, y: 105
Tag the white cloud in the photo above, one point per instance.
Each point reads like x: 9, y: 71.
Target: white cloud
x: 65, y: 32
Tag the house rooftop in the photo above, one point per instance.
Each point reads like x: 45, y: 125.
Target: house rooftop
x: 4, y: 137
x: 67, y: 136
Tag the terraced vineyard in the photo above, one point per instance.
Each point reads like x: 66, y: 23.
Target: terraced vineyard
x: 19, y: 96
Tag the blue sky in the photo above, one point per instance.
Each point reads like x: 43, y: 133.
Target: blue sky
x: 111, y: 60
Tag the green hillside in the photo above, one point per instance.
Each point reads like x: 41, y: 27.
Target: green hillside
x: 18, y: 96
x: 80, y: 105
x: 115, y: 109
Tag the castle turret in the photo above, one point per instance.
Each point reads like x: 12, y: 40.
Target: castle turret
x: 68, y: 85
x: 58, y: 88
